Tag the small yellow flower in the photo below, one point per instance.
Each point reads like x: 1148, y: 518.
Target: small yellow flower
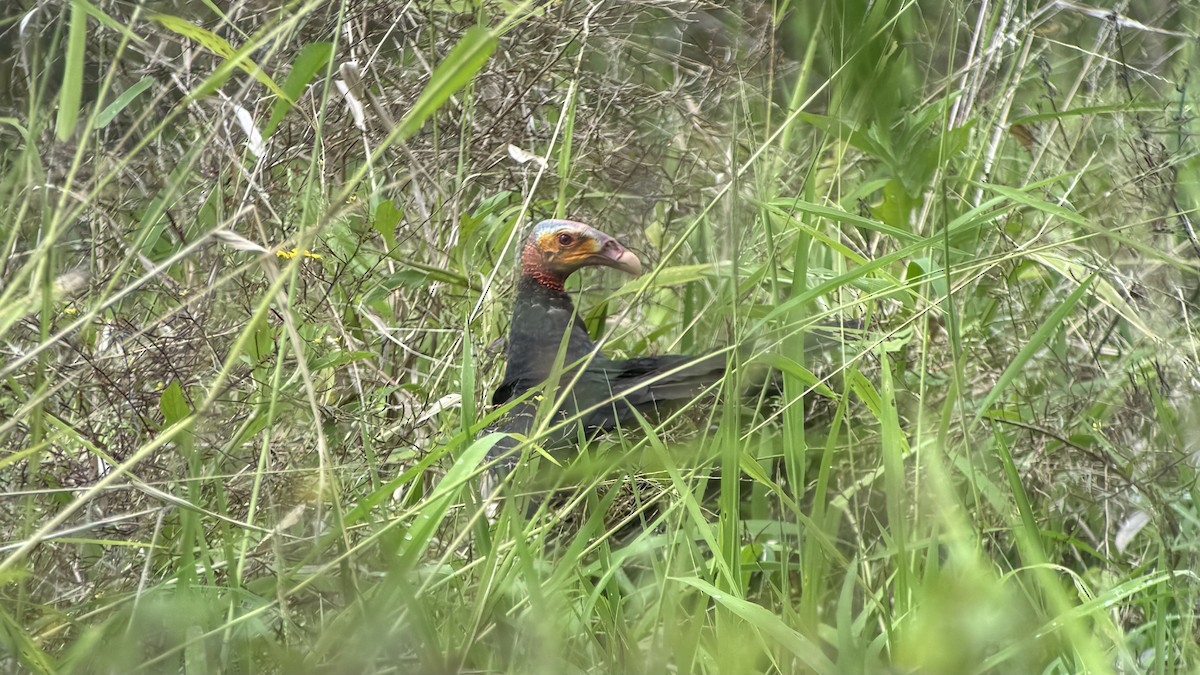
x: 288, y: 255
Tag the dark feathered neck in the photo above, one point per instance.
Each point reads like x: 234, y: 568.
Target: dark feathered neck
x: 532, y: 290
x: 533, y: 267
x: 541, y: 315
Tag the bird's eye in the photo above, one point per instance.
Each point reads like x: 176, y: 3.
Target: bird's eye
x: 565, y: 239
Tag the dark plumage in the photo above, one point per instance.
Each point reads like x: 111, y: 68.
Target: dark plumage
x: 602, y: 393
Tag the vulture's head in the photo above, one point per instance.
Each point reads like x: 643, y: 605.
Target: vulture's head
x: 556, y: 248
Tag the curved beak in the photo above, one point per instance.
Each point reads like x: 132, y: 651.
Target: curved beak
x: 613, y: 254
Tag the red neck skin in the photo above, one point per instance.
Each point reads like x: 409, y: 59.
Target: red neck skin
x: 533, y: 265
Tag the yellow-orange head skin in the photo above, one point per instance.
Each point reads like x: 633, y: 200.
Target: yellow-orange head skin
x: 556, y: 248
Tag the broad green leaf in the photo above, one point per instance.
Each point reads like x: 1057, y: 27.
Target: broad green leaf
x: 173, y: 404
x: 926, y: 270
x: 387, y: 216
x: 121, y: 102
x: 308, y: 62
x: 843, y: 130
x: 71, y: 92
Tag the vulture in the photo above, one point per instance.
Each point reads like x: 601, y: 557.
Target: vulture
x: 596, y: 393
x: 593, y: 393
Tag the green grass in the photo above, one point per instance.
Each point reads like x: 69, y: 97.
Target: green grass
x: 250, y: 320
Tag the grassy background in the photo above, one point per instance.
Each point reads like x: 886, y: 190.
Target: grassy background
x: 256, y: 273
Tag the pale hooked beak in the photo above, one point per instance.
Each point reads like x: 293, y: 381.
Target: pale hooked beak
x: 613, y: 254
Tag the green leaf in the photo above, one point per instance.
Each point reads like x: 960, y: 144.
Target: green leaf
x: 173, y: 404
x: 339, y: 359
x: 458, y: 69
x: 71, y: 92
x: 107, y: 21
x: 387, y: 216
x: 113, y: 109
x: 467, y: 381
x: 433, y: 509
x: 1024, y: 197
x: 1120, y: 108
x: 221, y: 47
x: 926, y: 270
x: 19, y: 644
x: 840, y: 216
x: 802, y: 374
x: 843, y: 130
x: 766, y: 621
x: 311, y: 59
x: 404, y: 279
x: 673, y: 276
x: 1048, y: 328
x: 430, y: 272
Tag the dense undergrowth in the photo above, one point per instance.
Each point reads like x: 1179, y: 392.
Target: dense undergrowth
x: 256, y: 269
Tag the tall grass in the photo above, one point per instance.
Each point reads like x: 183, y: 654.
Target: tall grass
x: 256, y: 274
